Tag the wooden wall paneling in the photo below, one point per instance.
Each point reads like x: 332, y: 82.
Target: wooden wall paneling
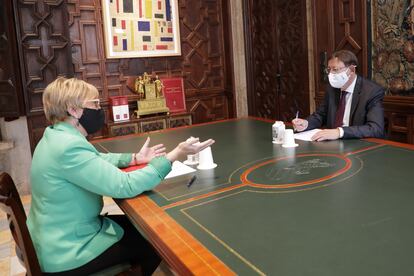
x: 11, y: 92
x: 277, y: 73
x: 88, y: 53
x: 324, y: 43
x: 204, y: 59
x: 44, y: 53
x: 44, y: 47
x: 350, y: 21
x: 399, y: 114
x: 36, y: 125
x: 209, y: 109
x: 293, y: 59
x: 202, y: 36
x: 339, y: 24
x: 66, y: 38
x: 261, y: 69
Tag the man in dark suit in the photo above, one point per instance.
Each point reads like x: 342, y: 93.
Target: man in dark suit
x: 352, y: 107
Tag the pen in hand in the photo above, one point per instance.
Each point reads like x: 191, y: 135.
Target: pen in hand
x: 299, y: 124
x: 191, y: 181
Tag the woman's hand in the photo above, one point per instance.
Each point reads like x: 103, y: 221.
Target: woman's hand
x: 190, y: 146
x: 147, y: 153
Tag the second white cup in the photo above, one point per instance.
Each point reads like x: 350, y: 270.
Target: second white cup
x: 205, y: 161
x: 289, y: 139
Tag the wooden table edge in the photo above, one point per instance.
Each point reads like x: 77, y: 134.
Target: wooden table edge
x: 182, y: 252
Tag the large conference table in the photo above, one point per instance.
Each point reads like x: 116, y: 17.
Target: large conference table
x: 342, y: 207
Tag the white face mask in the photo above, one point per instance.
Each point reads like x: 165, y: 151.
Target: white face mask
x: 338, y: 80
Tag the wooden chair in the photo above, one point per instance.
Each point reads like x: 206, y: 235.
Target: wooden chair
x: 11, y: 204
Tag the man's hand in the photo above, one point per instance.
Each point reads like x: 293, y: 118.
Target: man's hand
x: 326, y: 134
x: 300, y: 124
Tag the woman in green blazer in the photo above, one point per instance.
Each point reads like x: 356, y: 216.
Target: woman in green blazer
x: 69, y: 177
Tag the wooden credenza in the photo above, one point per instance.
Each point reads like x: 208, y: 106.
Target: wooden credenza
x: 399, y: 118
x: 140, y: 125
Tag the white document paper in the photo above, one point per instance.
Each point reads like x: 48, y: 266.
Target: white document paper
x: 306, y: 135
x: 178, y: 168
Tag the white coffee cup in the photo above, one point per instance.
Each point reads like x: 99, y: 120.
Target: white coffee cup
x: 289, y: 139
x: 205, y: 161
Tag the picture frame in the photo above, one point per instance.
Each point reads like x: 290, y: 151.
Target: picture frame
x: 141, y: 28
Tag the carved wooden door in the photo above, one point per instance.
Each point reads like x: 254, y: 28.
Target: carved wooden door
x: 11, y: 95
x: 338, y: 25
x: 276, y: 52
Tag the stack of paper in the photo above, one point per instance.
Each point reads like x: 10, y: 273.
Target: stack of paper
x: 178, y: 168
x: 306, y: 135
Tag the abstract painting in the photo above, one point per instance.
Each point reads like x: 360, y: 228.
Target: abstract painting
x: 141, y: 28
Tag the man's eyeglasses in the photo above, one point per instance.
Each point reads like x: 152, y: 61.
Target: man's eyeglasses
x: 335, y: 70
x: 96, y: 102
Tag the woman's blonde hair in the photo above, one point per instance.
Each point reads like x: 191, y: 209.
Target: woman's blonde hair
x: 63, y: 93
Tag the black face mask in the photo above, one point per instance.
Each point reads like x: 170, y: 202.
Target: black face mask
x: 92, y: 120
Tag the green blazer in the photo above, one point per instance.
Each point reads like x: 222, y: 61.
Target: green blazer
x: 69, y: 177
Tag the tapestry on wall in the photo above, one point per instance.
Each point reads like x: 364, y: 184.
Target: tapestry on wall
x: 141, y: 28
x: 393, y: 45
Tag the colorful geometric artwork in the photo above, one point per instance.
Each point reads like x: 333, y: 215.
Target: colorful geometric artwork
x: 141, y: 28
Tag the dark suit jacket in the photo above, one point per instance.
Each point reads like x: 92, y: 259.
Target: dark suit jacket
x: 367, y: 114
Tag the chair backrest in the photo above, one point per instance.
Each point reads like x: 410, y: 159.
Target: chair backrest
x: 11, y: 204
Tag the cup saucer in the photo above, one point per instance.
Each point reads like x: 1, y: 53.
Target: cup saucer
x: 208, y: 167
x: 188, y: 162
x: 290, y: 145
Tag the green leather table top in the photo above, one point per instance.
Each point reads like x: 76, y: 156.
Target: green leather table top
x: 323, y: 208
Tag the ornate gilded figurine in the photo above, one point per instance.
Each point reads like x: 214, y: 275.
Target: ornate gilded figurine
x: 158, y: 87
x: 139, y: 87
x: 151, y: 99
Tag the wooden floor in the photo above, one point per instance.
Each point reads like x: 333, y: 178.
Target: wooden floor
x: 9, y: 264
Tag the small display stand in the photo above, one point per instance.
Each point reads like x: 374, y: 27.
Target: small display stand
x: 153, y: 123
x: 119, y: 108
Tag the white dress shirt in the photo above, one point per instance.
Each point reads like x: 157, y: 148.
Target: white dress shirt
x: 348, y: 103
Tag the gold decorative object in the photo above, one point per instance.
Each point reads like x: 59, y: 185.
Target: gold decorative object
x: 151, y: 99
x: 139, y: 87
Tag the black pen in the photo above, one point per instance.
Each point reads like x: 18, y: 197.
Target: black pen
x: 191, y: 181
